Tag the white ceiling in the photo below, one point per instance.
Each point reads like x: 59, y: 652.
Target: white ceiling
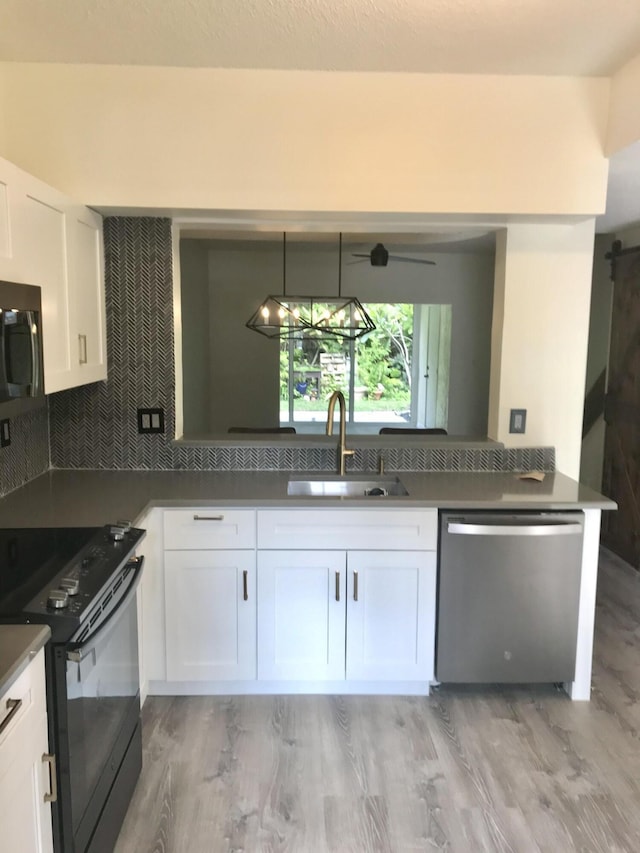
x: 574, y: 37
x: 548, y: 37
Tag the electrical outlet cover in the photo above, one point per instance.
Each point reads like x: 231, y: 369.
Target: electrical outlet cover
x: 517, y: 420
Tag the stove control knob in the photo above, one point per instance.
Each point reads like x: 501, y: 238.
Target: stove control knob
x: 58, y: 599
x: 116, y: 532
x: 70, y: 585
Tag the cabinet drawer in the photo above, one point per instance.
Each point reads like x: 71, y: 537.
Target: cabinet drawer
x: 348, y: 528
x: 202, y: 528
x: 28, y: 691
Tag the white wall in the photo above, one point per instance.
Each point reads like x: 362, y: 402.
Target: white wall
x: 3, y: 124
x: 309, y: 141
x: 624, y: 108
x: 486, y: 148
x: 541, y: 315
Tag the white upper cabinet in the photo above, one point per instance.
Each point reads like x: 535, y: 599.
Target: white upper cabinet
x: 42, y: 238
x: 86, y: 257
x: 50, y: 241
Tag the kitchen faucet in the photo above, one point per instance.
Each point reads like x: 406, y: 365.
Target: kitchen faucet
x: 338, y: 397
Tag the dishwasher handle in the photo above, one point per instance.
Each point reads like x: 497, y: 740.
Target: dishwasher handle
x: 558, y: 528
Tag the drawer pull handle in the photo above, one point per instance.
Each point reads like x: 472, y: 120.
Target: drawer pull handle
x: 355, y: 586
x: 337, y: 586
x: 245, y: 587
x: 208, y: 517
x: 82, y: 346
x: 13, y: 706
x: 53, y: 780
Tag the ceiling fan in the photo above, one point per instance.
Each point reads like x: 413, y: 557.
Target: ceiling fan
x: 380, y: 257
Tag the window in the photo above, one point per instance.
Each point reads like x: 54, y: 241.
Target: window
x: 396, y: 375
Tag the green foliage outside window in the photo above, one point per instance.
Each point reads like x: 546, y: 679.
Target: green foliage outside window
x: 382, y: 359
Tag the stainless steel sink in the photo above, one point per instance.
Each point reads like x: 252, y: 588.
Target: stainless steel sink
x: 353, y: 486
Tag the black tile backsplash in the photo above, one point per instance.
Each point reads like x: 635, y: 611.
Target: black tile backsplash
x: 28, y: 454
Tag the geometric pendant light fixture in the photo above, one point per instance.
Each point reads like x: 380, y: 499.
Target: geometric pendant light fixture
x: 315, y: 317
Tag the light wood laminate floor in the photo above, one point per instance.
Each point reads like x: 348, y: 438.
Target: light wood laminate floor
x: 464, y: 770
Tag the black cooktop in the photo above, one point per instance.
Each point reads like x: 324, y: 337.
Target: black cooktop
x: 36, y: 561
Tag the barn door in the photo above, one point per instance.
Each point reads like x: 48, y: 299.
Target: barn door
x: 621, y: 474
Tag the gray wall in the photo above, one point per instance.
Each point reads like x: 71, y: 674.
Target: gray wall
x: 245, y: 366
x: 196, y: 355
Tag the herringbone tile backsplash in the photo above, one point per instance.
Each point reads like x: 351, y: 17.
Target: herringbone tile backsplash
x: 96, y: 427
x: 28, y: 454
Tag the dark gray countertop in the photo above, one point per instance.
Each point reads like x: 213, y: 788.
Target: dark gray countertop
x: 18, y: 645
x: 92, y: 498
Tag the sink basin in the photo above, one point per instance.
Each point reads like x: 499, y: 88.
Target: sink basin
x: 346, y: 487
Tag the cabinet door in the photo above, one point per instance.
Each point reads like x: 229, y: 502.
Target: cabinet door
x: 24, y: 777
x: 87, y: 285
x: 26, y: 818
x: 49, y: 241
x: 44, y: 241
x: 210, y: 606
x: 301, y: 618
x: 13, y: 262
x: 151, y: 626
x: 391, y: 598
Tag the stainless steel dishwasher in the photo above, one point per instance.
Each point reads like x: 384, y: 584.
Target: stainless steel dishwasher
x: 508, y: 594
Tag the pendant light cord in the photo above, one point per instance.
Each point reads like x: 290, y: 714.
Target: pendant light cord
x: 284, y: 263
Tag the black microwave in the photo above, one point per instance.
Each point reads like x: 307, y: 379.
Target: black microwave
x: 21, y: 367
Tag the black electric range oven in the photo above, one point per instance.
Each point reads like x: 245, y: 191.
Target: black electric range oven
x: 82, y: 582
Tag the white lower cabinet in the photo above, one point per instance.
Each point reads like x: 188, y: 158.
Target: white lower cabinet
x: 391, y: 615
x: 210, y: 611
x: 359, y: 615
x: 301, y: 617
x: 25, y: 769
x: 249, y: 601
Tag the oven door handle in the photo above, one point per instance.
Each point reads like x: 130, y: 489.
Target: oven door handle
x: 77, y: 652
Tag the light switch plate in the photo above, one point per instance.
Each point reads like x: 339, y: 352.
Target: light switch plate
x: 517, y: 420
x: 150, y: 421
